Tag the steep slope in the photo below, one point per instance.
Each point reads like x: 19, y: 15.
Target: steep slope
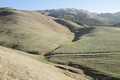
x: 30, y: 31
x: 15, y: 66
x: 77, y: 15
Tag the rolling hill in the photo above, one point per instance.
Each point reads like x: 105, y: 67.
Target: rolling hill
x: 31, y: 32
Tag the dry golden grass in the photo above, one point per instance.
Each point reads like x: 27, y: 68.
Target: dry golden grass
x: 15, y: 66
x: 34, y: 33
x: 31, y: 32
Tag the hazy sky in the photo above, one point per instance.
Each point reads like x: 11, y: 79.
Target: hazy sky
x: 90, y: 5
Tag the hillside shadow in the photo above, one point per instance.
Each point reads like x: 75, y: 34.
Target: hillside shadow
x: 78, y: 31
x: 70, y: 26
x: 81, y: 32
x: 96, y: 75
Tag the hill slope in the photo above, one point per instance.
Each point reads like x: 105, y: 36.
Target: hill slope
x: 15, y: 66
x: 30, y: 31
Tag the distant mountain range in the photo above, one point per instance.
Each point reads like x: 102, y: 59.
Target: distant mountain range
x: 83, y: 17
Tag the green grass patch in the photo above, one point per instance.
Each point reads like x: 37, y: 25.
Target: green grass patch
x: 100, y: 39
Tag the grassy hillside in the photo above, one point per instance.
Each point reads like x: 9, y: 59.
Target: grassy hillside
x: 15, y: 65
x: 30, y: 31
x: 99, y: 39
x: 96, y: 52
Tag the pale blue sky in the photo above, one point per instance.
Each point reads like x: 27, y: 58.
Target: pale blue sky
x: 90, y: 5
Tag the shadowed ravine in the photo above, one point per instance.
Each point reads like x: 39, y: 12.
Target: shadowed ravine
x: 96, y: 75
x: 81, y: 32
